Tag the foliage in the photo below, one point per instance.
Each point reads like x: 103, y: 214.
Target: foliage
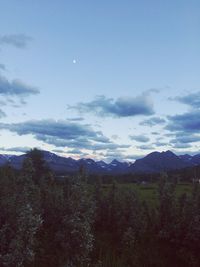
x: 45, y: 221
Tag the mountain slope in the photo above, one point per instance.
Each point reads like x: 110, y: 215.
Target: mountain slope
x: 158, y: 162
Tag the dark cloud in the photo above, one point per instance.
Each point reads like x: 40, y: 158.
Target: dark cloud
x: 76, y: 119
x: 121, y: 107
x: 63, y: 134
x: 16, y: 40
x: 155, y: 133
x: 169, y: 134
x: 61, y: 129
x: 181, y: 146
x: 158, y: 143
x: 185, y: 129
x: 81, y: 142
x: 145, y: 147
x: 192, y: 99
x: 188, y: 122
x: 153, y: 121
x: 16, y: 88
x: 139, y: 138
x: 185, y: 139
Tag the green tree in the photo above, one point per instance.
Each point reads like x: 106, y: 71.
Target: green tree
x: 21, y: 220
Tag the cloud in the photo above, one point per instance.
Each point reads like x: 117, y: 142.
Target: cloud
x: 52, y: 128
x: 158, y: 143
x: 188, y: 122
x: 153, y: 90
x: 153, y: 121
x: 111, y: 146
x: 16, y: 149
x: 2, y: 114
x: 16, y: 40
x: 145, y: 147
x: 16, y: 88
x: 78, y: 152
x: 139, y: 138
x: 75, y: 151
x: 110, y: 155
x: 120, y: 156
x: 2, y: 103
x: 157, y: 90
x: 179, y: 145
x: 185, y: 129
x: 2, y: 67
x: 121, y: 107
x: 185, y: 139
x: 192, y: 99
x: 63, y: 134
x: 76, y: 119
x: 183, y: 152
x: 155, y: 133
x: 58, y: 151
x: 115, y: 136
x: 134, y: 157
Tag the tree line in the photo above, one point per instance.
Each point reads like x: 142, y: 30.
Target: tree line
x: 45, y: 221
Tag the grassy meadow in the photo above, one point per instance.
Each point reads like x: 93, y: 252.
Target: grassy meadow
x: 149, y: 191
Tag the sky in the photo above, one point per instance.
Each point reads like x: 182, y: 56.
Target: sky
x: 100, y: 79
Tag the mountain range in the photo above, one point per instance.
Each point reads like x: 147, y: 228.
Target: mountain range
x: 154, y: 162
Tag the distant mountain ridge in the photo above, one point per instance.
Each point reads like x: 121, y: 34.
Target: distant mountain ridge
x: 160, y: 161
x: 152, y: 163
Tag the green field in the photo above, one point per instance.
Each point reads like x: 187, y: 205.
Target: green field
x: 149, y: 191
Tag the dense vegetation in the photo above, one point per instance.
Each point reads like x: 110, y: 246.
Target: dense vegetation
x: 46, y: 221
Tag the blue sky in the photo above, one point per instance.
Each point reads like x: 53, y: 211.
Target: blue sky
x: 101, y: 79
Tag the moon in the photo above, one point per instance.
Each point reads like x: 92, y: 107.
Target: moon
x: 74, y: 61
